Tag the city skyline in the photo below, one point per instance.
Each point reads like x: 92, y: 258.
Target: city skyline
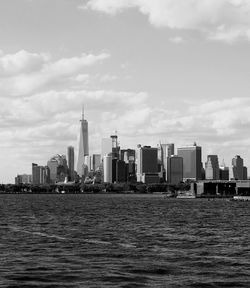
x: 155, y: 72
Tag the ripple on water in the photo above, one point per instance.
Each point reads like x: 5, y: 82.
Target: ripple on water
x: 122, y: 241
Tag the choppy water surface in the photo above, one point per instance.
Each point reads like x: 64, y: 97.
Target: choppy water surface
x: 123, y: 241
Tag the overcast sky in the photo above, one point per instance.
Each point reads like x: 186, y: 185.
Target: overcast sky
x: 154, y: 70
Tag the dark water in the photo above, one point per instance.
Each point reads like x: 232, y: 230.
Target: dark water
x: 123, y: 241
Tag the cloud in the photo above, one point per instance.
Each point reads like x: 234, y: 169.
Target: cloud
x: 21, y: 62
x: 176, y: 40
x: 223, y: 20
x: 24, y: 73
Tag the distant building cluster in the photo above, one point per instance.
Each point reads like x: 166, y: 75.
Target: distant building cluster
x: 145, y: 164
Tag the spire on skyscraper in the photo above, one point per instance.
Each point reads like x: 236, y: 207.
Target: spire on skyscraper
x: 82, y: 112
x: 83, y: 144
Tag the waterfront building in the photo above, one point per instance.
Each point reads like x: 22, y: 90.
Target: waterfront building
x: 107, y: 168
x: 23, y: 179
x: 192, y: 165
x: 58, y: 168
x: 35, y: 174
x: 95, y: 161
x: 46, y: 175
x: 245, y: 177
x: 71, y: 163
x: 87, y: 162
x: 237, y: 167
x: 224, y: 173
x: 175, y: 169
x: 121, y: 173
x: 147, y: 165
x: 53, y: 164
x: 128, y: 156
x: 115, y: 147
x: 83, y: 144
x: 164, y: 152
x: 38, y: 174
x: 212, y: 170
x: 114, y: 161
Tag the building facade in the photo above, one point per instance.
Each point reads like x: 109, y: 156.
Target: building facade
x: 71, y: 162
x: 212, y: 170
x: 83, y: 144
x: 147, y: 164
x: 175, y: 169
x: 237, y: 167
x: 107, y: 168
x: 192, y: 165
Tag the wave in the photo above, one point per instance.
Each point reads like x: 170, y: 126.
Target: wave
x: 42, y: 234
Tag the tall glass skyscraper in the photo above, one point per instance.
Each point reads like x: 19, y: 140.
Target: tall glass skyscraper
x: 192, y: 164
x: 71, y: 157
x: 83, y: 144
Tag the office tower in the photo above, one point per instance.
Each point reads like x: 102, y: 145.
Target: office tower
x: 224, y: 173
x: 115, y: 147
x: 96, y: 161
x: 87, y: 162
x: 175, y: 169
x: 71, y: 163
x: 83, y: 144
x: 114, y: 161
x: 53, y: 164
x: 38, y: 174
x: 41, y: 175
x: 58, y: 168
x: 128, y: 156
x: 237, y: 167
x: 35, y: 174
x: 192, y: 165
x: 245, y: 173
x: 165, y: 151
x: 121, y: 173
x: 147, y: 165
x: 212, y: 171
x: 47, y: 175
x: 23, y: 179
x: 106, y: 146
x: 107, y: 168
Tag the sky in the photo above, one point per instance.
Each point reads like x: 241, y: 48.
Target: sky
x: 169, y: 71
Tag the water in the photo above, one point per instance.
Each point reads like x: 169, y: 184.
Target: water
x: 123, y: 241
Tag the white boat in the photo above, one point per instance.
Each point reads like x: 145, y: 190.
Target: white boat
x: 241, y: 198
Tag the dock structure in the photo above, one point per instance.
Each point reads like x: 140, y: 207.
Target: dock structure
x: 222, y: 188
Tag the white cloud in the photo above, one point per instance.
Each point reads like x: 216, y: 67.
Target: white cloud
x: 17, y: 79
x: 176, y: 40
x: 108, y: 78
x: 21, y: 62
x: 224, y: 20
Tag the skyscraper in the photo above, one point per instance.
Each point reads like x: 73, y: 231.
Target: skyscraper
x: 83, y: 144
x: 35, y: 174
x: 165, y: 151
x: 175, y: 169
x: 237, y: 163
x: 96, y: 161
x: 71, y: 162
x: 212, y: 169
x: 58, y: 168
x: 147, y: 165
x: 107, y: 168
x: 192, y: 164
